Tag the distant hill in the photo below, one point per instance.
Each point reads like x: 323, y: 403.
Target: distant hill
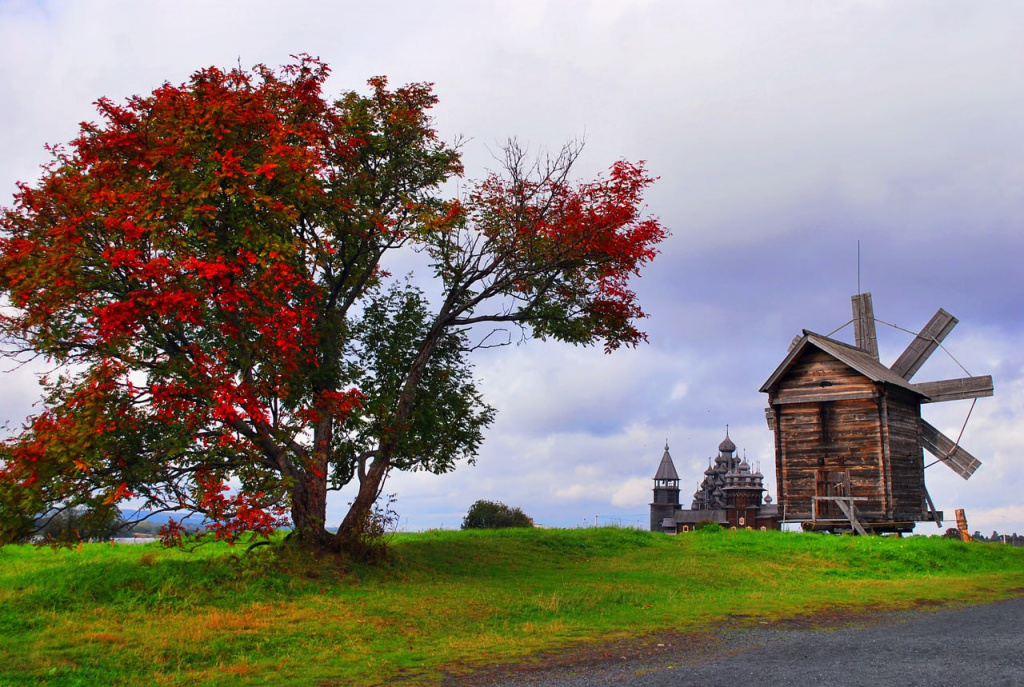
x: 150, y: 516
x: 152, y: 522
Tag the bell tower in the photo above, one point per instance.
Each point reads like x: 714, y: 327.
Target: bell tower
x: 666, y: 492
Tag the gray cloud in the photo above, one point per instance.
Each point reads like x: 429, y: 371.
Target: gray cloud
x: 783, y: 133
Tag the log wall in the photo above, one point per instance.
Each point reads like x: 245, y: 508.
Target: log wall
x: 839, y: 433
x: 906, y: 457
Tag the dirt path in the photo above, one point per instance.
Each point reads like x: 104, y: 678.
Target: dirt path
x: 966, y: 646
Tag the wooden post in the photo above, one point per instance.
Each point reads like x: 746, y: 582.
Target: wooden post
x: 961, y: 524
x: 885, y: 457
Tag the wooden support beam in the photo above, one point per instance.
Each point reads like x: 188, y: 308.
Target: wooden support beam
x: 798, y: 397
x: 850, y: 511
x: 864, y: 324
x: 942, y: 447
x: 936, y: 514
x: 927, y: 341
x: 956, y: 389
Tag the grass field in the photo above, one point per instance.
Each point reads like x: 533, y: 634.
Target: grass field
x: 446, y: 602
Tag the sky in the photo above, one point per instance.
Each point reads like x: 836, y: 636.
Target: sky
x: 804, y: 151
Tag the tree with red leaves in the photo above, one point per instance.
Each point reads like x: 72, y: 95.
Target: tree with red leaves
x: 204, y: 273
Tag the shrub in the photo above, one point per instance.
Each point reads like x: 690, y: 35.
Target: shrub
x: 491, y: 514
x: 708, y: 526
x: 78, y: 524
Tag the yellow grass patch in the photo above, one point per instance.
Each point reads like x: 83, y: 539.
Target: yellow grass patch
x: 106, y: 638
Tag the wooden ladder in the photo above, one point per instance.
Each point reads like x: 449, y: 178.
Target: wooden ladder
x: 846, y: 505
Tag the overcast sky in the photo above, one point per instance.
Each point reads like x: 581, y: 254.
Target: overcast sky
x: 783, y: 133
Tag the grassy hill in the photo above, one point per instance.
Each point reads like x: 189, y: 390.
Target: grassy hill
x: 446, y: 602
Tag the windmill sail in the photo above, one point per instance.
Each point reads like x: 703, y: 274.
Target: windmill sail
x: 949, y: 453
x: 927, y: 341
x: 864, y: 324
x: 956, y: 389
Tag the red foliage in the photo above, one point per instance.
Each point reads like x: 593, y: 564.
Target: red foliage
x: 197, y: 261
x: 162, y: 245
x: 592, y: 235
x: 240, y: 513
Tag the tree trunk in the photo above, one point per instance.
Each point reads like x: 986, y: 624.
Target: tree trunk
x: 357, y: 521
x: 354, y: 526
x: 309, y: 511
x: 309, y: 495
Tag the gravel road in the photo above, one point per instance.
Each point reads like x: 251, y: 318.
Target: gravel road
x: 976, y: 645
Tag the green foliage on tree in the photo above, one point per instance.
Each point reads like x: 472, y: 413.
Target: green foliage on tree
x: 494, y: 514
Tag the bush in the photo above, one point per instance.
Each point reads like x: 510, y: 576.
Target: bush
x: 708, y: 526
x: 79, y: 524
x: 491, y: 514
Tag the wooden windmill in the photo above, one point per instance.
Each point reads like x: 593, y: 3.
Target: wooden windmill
x: 849, y: 436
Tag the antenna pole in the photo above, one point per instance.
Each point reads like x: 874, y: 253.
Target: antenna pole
x: 858, y: 265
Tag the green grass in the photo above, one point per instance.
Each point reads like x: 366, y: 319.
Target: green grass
x: 445, y: 602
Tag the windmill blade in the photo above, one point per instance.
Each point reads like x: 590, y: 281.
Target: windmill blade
x: 864, y: 324
x: 942, y: 447
x: 924, y: 344
x: 956, y: 389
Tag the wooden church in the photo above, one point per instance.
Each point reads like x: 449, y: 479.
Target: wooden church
x: 732, y: 494
x: 849, y: 436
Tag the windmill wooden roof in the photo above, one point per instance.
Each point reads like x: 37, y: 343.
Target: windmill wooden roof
x: 857, y: 358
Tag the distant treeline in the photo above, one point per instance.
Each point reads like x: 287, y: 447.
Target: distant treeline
x: 1011, y: 539
x: 996, y: 538
x: 79, y: 524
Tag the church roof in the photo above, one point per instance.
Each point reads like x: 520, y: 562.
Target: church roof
x: 727, y: 446
x: 667, y: 469
x: 690, y: 517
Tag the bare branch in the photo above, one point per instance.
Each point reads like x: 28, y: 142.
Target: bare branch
x: 482, y: 344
